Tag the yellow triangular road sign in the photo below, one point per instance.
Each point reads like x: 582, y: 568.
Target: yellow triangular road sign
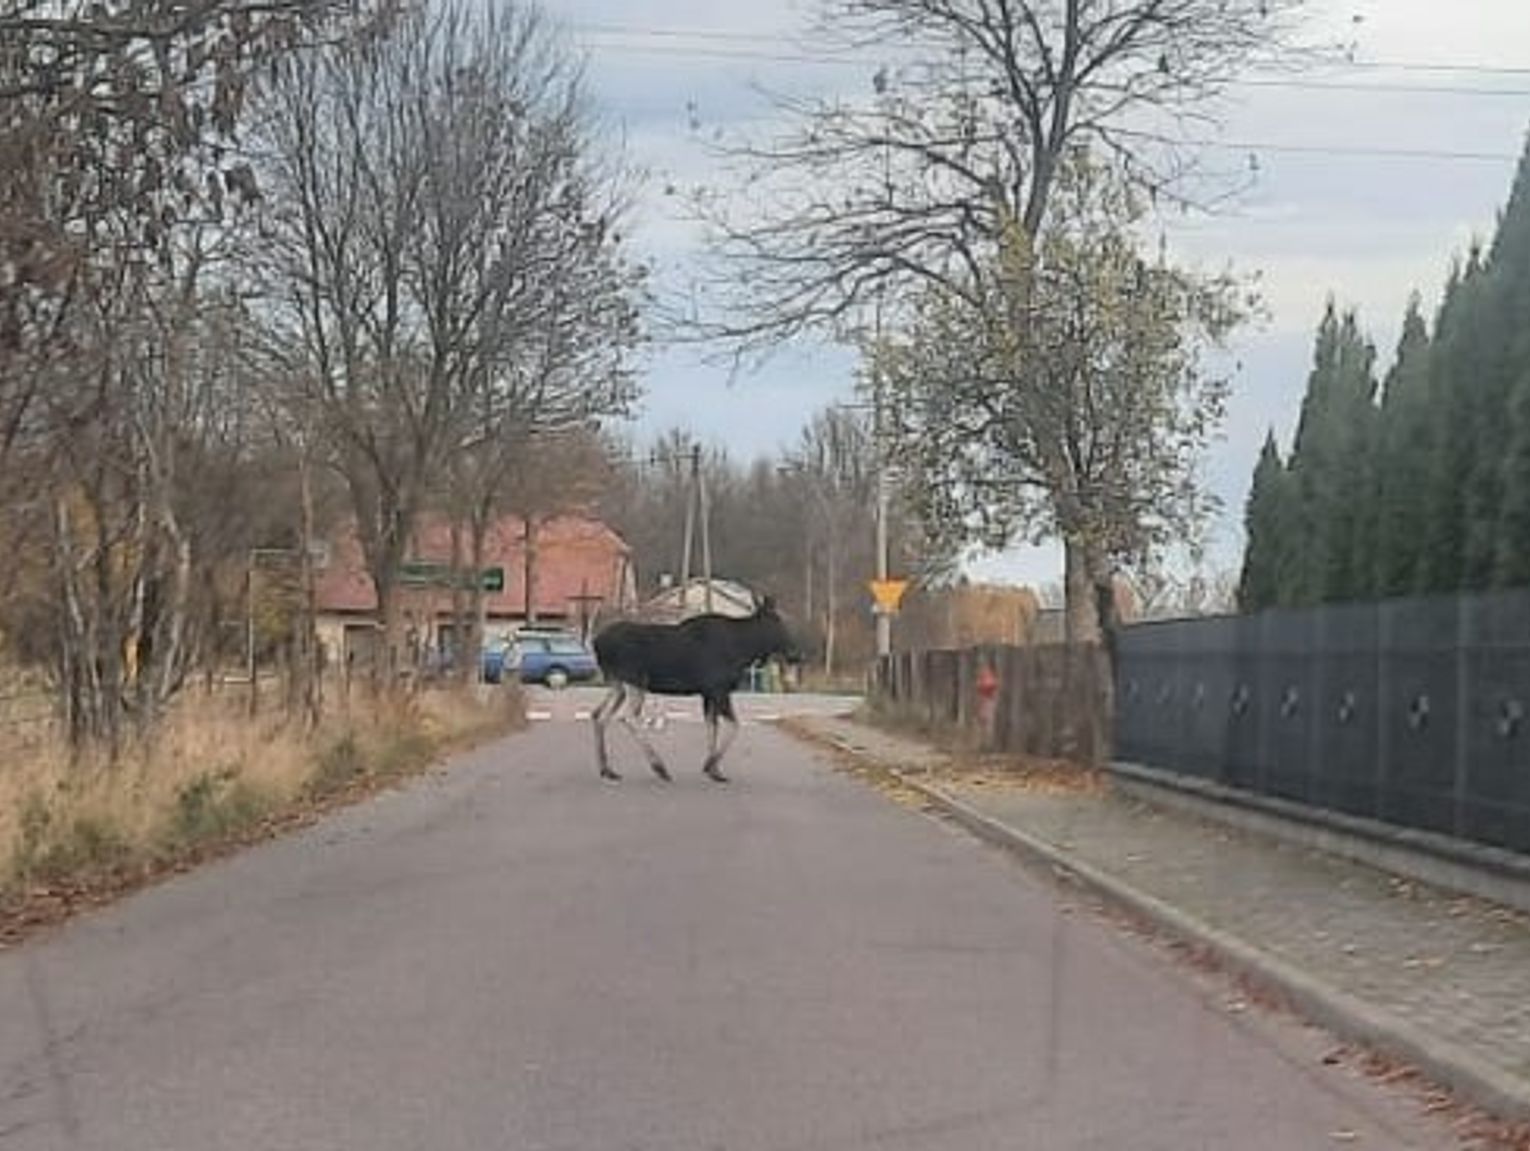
x: 888, y: 593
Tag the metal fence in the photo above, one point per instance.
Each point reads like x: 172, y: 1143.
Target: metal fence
x: 1414, y: 712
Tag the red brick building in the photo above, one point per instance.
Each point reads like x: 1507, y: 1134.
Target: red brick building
x: 579, y: 567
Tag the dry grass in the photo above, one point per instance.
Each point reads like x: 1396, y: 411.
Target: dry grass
x: 967, y: 765
x: 211, y: 778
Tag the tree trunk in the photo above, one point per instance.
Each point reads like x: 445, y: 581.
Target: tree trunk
x: 170, y: 651
x: 530, y: 536
x: 1091, y: 626
x: 1081, y: 616
x: 460, y: 668
x: 477, y: 543
x: 807, y: 582
x: 388, y: 660
x: 309, y: 655
x: 386, y: 560
x: 832, y: 595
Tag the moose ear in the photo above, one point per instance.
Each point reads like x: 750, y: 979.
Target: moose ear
x: 765, y: 605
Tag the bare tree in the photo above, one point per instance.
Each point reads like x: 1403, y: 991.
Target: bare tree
x: 445, y: 254
x: 919, y: 189
x: 124, y: 431
x: 970, y: 114
x: 137, y: 452
x: 117, y: 121
x: 835, y: 467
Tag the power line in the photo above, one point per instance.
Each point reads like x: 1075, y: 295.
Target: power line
x: 1383, y: 88
x: 1294, y: 83
x: 1359, y: 151
x: 1463, y: 69
x: 793, y: 52
x: 1386, y: 88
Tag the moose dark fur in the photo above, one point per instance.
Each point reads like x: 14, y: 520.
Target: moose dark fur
x: 704, y: 655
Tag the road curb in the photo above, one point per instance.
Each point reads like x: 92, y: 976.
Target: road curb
x: 1447, y: 1063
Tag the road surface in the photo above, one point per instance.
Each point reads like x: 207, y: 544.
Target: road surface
x: 513, y: 955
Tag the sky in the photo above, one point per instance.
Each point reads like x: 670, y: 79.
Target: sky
x: 1363, y: 192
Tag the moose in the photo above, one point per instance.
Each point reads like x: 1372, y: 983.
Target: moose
x: 703, y: 655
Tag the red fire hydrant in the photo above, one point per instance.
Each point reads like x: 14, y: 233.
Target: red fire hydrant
x: 988, y: 695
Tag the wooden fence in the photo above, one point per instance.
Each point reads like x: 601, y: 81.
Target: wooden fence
x: 1049, y: 702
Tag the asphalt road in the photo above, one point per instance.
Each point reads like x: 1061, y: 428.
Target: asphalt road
x: 512, y: 955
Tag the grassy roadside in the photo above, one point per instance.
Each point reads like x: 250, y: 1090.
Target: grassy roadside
x: 77, y: 834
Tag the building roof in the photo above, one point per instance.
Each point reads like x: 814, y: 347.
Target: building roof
x: 729, y: 597
x: 575, y: 556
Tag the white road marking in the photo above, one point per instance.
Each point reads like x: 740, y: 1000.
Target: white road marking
x: 539, y: 716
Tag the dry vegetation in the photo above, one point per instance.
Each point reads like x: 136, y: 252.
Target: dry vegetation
x: 77, y: 830
x: 955, y: 768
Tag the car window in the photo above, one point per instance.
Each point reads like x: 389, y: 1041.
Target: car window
x: 565, y: 647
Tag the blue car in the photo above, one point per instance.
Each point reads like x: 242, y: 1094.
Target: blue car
x: 494, y: 660
x: 553, y: 658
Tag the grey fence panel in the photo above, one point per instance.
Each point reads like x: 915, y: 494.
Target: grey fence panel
x: 1147, y: 690
x: 1244, y: 715
x: 1416, y: 712
x: 1420, y: 639
x: 1494, y: 791
x: 1345, y: 709
x: 1205, y: 685
x: 1288, y: 704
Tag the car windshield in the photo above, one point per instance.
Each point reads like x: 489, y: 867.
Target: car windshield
x: 1086, y: 641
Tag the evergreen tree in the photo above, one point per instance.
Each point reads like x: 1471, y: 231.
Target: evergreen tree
x: 1267, y: 543
x: 1332, y: 470
x: 1404, y: 451
x: 1442, y: 565
x: 1512, y: 568
x: 1483, y: 377
x: 1510, y: 270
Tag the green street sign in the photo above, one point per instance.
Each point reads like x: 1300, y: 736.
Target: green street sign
x: 431, y: 573
x: 418, y: 573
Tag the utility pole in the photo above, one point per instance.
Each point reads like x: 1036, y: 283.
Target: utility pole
x: 879, y: 443
x: 706, y: 532
x: 690, y: 532
x: 879, y: 449
x: 696, y: 501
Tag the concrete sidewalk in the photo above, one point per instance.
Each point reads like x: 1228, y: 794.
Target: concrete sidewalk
x: 1439, y: 979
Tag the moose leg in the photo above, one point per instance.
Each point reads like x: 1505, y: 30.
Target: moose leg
x: 600, y: 717
x: 718, y: 708
x: 628, y: 714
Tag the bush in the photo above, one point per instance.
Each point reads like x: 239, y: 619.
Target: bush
x: 214, y: 806
x: 339, y: 765
x: 49, y: 851
x: 401, y: 751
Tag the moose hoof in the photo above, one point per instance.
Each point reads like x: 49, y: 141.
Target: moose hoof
x: 715, y: 774
x: 661, y: 771
x: 610, y: 776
